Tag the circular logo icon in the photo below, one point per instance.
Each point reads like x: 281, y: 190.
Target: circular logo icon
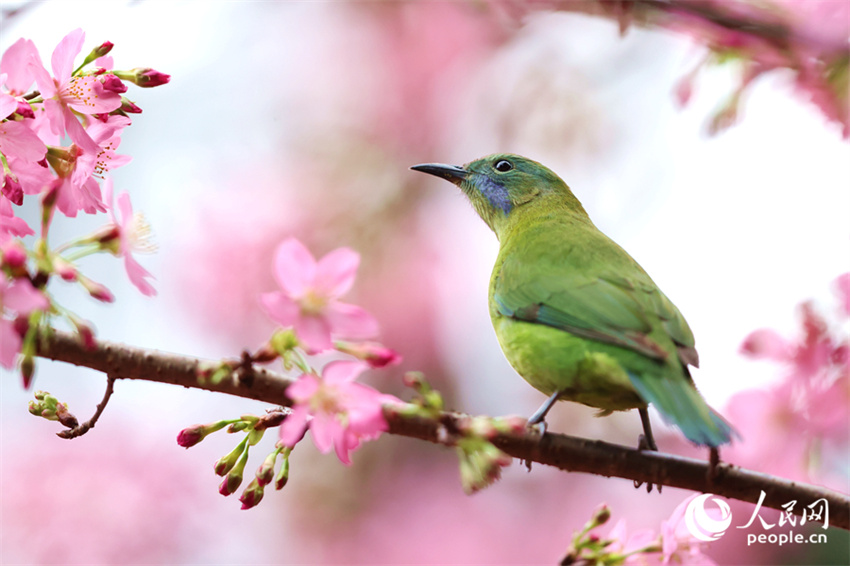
x: 704, y: 526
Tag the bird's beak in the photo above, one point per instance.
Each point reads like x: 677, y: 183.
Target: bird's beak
x: 451, y: 173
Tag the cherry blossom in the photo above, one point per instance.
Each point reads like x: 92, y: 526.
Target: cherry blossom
x: 339, y: 412
x: 131, y: 233
x: 63, y: 92
x: 307, y: 300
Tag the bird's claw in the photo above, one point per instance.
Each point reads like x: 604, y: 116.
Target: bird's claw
x: 644, y: 445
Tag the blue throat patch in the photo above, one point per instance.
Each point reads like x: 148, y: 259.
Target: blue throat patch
x: 496, y: 193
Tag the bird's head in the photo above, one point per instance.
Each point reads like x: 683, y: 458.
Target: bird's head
x: 504, y: 185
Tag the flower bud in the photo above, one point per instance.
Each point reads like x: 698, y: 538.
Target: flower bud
x: 265, y: 473
x: 227, y: 463
x: 376, y: 355
x: 65, y: 417
x: 252, y: 494
x: 27, y: 370
x: 99, y: 51
x: 129, y: 106
x: 230, y: 484
x: 233, y: 479
x: 144, y: 77
x: 64, y: 269
x: 600, y: 516
x: 13, y: 255
x: 24, y: 109
x: 283, y: 475
x: 192, y: 435
x: 96, y: 290
x: 481, y: 463
x: 112, y: 83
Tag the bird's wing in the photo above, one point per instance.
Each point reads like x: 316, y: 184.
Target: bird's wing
x: 617, y: 309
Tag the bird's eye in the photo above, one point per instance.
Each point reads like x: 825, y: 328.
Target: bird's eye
x: 503, y: 165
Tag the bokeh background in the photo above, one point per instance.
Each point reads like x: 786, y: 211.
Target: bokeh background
x: 301, y: 119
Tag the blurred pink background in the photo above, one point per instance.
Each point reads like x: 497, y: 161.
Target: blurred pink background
x: 301, y: 119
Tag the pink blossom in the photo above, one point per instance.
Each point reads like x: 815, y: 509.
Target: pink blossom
x: 78, y: 165
x: 133, y: 235
x: 17, y: 298
x: 307, y: 300
x: 339, y: 412
x: 63, y: 92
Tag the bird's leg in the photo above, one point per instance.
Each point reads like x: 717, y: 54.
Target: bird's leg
x: 539, y: 416
x: 713, y: 463
x: 646, y: 442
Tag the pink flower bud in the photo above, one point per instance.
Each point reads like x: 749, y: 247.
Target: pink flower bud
x: 64, y: 269
x: 96, y: 290
x: 265, y: 473
x: 102, y: 49
x: 13, y: 254
x: 147, y: 78
x: 24, y: 110
x: 230, y: 483
x: 191, y: 435
x: 129, y: 107
x: 113, y: 84
x: 27, y: 371
x: 252, y: 495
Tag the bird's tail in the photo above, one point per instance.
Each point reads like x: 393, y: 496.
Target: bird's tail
x: 681, y: 404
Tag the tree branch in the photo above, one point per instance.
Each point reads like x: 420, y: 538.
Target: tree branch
x: 561, y: 451
x: 761, y: 23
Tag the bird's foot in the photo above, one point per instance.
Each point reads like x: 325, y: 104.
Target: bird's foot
x: 646, y: 442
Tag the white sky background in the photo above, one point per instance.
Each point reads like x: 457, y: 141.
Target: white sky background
x: 736, y: 229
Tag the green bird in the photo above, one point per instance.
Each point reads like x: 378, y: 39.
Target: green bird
x: 575, y: 315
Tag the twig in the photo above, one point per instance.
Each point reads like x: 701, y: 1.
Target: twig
x: 561, y: 451
x: 80, y: 430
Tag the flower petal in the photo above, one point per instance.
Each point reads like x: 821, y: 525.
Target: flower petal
x: 292, y: 429
x: 350, y: 321
x: 342, y: 371
x: 10, y: 344
x: 138, y: 276
x: 314, y: 332
x: 281, y: 308
x: 303, y: 389
x: 336, y: 271
x: 125, y: 207
x: 345, y: 442
x: 23, y: 298
x: 766, y: 343
x: 294, y: 267
x: 15, y: 62
x: 323, y: 427
x: 63, y: 57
